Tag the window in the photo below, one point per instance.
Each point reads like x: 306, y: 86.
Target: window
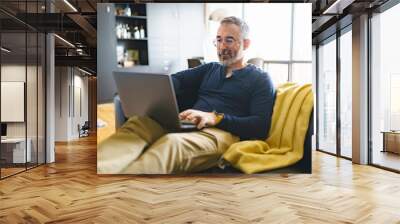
x: 270, y: 30
x: 22, y: 66
x: 327, y: 97
x: 385, y: 85
x: 278, y: 72
x: 302, y: 33
x: 346, y: 94
x: 394, y: 101
x: 282, y: 39
x: 302, y: 73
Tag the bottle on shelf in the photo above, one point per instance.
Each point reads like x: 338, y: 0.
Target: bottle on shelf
x: 120, y: 55
x: 136, y: 33
x: 128, y: 32
x: 120, y: 32
x: 134, y: 13
x: 142, y: 33
x: 125, y: 31
x: 128, y: 11
x: 126, y: 62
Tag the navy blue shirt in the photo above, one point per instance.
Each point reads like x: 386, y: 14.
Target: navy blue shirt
x: 246, y: 98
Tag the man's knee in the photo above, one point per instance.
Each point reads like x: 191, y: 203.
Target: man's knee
x: 192, y: 152
x: 117, y: 151
x: 145, y: 127
x: 178, y: 153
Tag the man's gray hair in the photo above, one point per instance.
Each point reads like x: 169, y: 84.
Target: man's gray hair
x: 244, y: 28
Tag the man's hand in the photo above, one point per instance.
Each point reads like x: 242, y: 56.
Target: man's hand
x: 200, y: 118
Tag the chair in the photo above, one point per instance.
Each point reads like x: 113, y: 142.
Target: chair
x: 194, y: 62
x: 259, y: 62
x: 84, y: 129
x: 302, y: 166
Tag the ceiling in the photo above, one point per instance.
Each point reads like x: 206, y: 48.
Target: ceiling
x: 330, y: 15
x: 76, y: 22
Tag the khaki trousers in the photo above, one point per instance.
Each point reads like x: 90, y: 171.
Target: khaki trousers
x: 142, y: 146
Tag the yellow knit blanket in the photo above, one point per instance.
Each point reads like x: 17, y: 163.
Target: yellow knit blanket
x: 285, y: 145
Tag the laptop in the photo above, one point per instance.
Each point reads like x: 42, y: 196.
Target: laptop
x: 150, y: 94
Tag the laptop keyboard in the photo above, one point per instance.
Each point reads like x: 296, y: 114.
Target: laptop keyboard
x: 186, y: 122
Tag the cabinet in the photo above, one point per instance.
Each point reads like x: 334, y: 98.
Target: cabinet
x: 391, y: 142
x: 131, y: 33
x: 13, y: 150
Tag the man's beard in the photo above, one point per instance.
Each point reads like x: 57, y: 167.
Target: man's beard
x: 228, y: 57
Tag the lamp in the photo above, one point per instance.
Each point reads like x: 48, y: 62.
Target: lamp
x: 218, y: 14
x: 84, y: 71
x: 70, y: 5
x: 337, y: 7
x: 64, y: 40
x: 5, y: 50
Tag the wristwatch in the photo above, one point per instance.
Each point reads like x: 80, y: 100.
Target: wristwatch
x: 219, y: 116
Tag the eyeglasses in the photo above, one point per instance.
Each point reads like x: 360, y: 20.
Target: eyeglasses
x: 229, y: 41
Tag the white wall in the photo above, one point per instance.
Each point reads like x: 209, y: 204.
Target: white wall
x: 71, y: 94
x: 106, y: 52
x: 80, y: 108
x: 33, y: 126
x: 176, y: 33
x: 15, y: 72
x: 84, y: 85
x: 61, y: 103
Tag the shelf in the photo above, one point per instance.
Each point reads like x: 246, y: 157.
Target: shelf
x: 131, y: 49
x: 132, y: 17
x: 130, y: 67
x: 132, y: 39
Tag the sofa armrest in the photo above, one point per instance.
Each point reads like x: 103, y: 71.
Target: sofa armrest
x: 120, y: 118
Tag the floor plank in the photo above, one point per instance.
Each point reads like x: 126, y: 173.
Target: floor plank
x: 70, y: 191
x: 106, y: 114
x: 387, y: 159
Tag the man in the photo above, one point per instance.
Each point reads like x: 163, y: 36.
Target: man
x: 229, y: 101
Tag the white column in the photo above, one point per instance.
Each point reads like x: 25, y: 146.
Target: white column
x: 360, y: 90
x: 50, y: 100
x: 50, y: 92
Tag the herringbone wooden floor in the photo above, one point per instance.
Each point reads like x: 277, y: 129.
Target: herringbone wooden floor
x: 70, y: 191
